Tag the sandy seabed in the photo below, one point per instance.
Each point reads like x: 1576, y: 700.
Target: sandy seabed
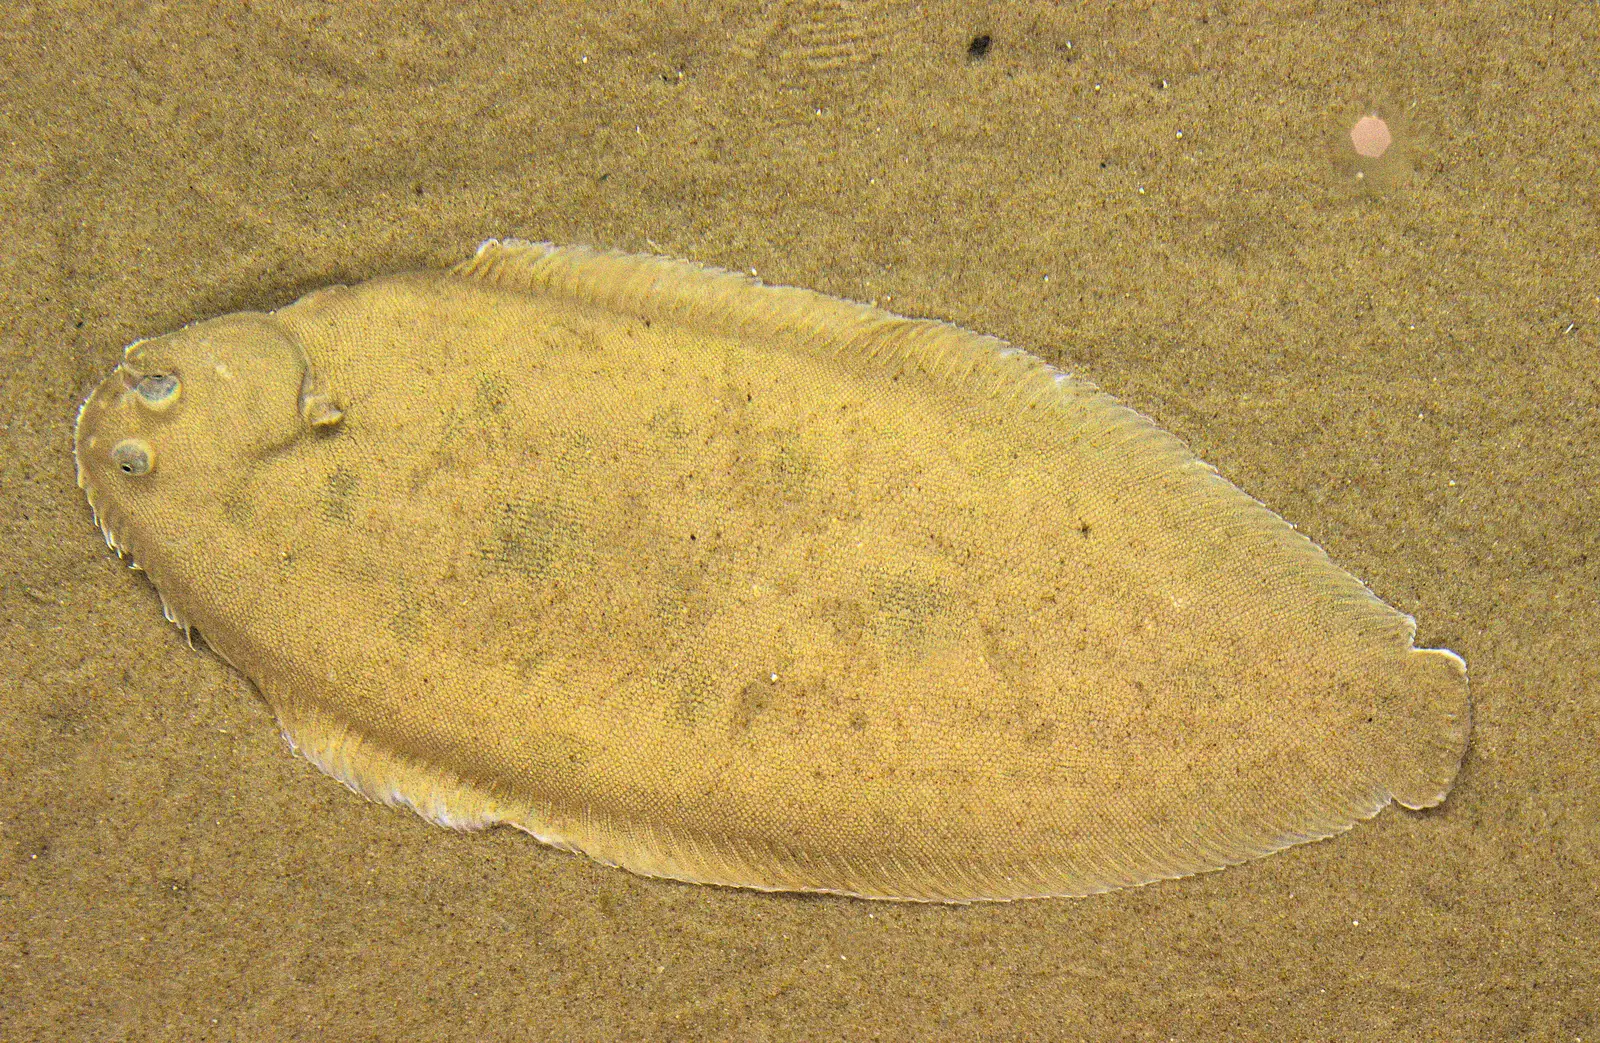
x: 1401, y: 355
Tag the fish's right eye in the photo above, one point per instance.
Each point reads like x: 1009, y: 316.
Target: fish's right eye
x: 133, y: 457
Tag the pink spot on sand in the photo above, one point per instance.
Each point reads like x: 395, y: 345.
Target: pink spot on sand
x: 1371, y: 137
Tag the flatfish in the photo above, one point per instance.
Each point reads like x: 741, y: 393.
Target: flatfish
x: 746, y: 585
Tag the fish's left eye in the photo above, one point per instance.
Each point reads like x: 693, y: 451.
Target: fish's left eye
x: 158, y: 390
x: 133, y: 457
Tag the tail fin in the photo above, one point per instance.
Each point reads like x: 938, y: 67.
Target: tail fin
x: 1433, y: 739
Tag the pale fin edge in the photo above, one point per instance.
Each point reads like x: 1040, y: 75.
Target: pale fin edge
x: 446, y: 799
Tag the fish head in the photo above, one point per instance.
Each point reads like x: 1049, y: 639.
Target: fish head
x: 184, y: 414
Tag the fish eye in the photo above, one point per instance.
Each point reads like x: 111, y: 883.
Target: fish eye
x: 133, y: 457
x: 158, y: 390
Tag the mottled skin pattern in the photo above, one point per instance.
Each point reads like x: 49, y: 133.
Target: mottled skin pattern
x: 747, y: 585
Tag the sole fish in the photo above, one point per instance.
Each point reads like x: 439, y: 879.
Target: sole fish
x: 747, y: 585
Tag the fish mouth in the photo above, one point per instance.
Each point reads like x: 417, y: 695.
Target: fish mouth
x: 90, y: 415
x: 114, y: 526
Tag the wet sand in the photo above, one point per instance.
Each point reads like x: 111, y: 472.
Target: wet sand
x: 1401, y: 356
